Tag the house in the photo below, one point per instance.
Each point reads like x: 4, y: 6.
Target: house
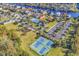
x: 58, y: 13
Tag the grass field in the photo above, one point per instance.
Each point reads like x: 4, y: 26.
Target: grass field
x: 71, y: 28
x: 27, y: 39
x: 10, y: 26
x: 49, y: 25
x: 77, y: 42
x: 56, y: 52
x: 3, y: 19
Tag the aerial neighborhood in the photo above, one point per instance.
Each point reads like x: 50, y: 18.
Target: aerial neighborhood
x: 35, y: 29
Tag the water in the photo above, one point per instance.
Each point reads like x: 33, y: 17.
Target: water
x: 72, y: 14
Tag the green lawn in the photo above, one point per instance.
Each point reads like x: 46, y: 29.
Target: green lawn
x: 71, y: 28
x: 56, y: 52
x: 26, y: 39
x: 49, y: 25
x: 3, y: 19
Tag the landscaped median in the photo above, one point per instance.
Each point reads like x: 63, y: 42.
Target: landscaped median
x: 50, y: 25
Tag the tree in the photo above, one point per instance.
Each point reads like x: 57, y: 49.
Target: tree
x: 7, y: 48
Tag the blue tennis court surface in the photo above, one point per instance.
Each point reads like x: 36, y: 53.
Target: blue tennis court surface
x: 41, y: 45
x: 35, y: 20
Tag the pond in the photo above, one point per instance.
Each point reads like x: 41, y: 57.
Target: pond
x: 69, y: 13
